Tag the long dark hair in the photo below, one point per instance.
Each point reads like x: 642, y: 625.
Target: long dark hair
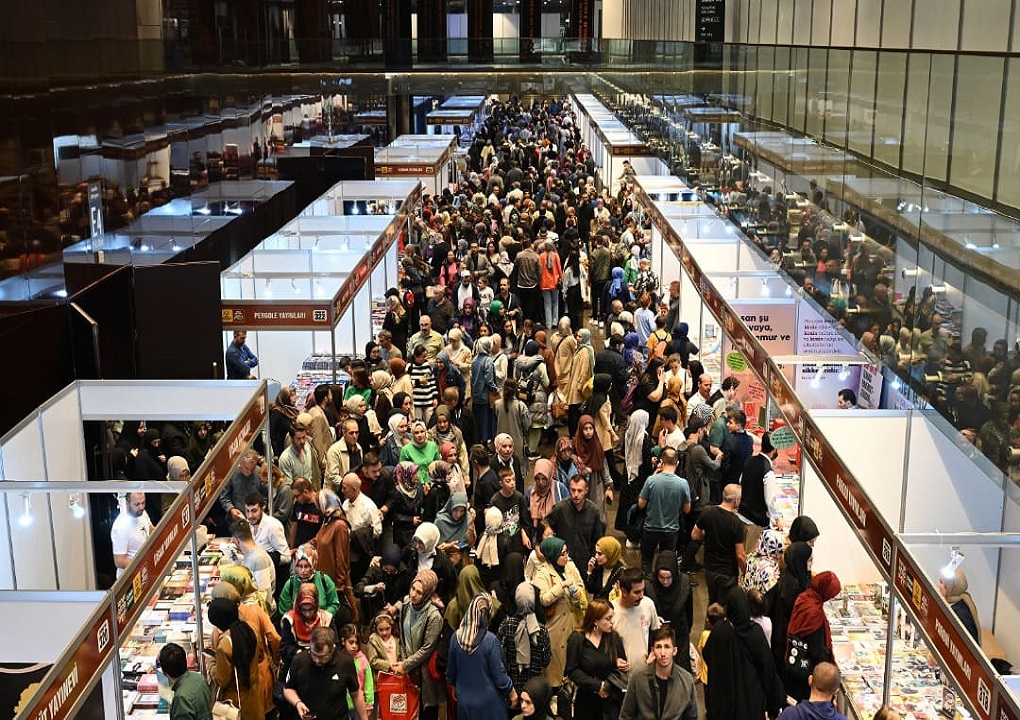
x: 651, y: 372
x: 224, y: 615
x: 509, y: 392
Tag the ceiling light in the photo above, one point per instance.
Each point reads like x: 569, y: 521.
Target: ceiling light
x: 77, y: 510
x: 26, y: 514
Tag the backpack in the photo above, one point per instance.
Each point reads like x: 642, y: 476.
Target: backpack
x: 527, y: 388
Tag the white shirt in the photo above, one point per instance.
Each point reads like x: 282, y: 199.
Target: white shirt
x: 633, y: 625
x: 696, y: 399
x: 674, y: 439
x: 128, y: 534
x: 770, y: 491
x: 263, y: 572
x: 269, y: 536
x: 362, y: 512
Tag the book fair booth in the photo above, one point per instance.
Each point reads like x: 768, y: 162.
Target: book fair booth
x: 100, y: 646
x: 460, y: 115
x: 611, y: 142
x: 314, y: 291
x: 429, y: 160
x: 868, y: 474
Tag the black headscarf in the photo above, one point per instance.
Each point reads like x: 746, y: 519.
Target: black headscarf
x: 540, y: 692
x: 674, y: 603
x: 223, y: 614
x: 795, y: 579
x: 803, y: 529
x: 510, y: 576
x: 745, y: 684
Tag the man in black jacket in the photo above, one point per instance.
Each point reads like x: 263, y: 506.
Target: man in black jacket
x: 758, y: 493
x: 610, y: 361
x: 577, y: 521
x: 736, y: 449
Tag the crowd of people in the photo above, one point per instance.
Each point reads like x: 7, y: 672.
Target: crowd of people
x: 446, y: 518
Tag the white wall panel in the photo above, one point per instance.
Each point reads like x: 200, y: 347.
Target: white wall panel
x: 769, y: 10
x: 784, y: 23
x: 985, y: 25
x: 869, y: 14
x: 1007, y: 608
x: 54, y: 620
x: 936, y: 35
x: 844, y: 20
x: 821, y: 22
x: 896, y: 24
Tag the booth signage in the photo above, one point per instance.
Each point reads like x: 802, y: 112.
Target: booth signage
x: 163, y: 549
x: 95, y: 209
x: 970, y: 673
x: 1005, y: 707
x: 848, y: 495
x: 70, y: 682
x: 630, y: 151
x: 235, y: 440
x: 356, y: 280
x: 405, y: 170
x: 276, y: 315
x: 710, y: 21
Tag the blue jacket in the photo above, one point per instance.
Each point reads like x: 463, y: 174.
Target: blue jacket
x: 483, y: 379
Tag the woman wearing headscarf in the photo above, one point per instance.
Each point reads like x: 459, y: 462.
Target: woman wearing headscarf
x: 382, y: 403
x: 616, y: 289
x: 492, y: 545
x: 524, y: 638
x: 794, y: 579
x: 202, y: 441
x: 604, y: 568
x: 438, y: 490
x: 333, y: 543
x: 582, y: 371
x: 954, y: 589
x: 514, y: 418
x: 561, y: 592
x: 744, y: 683
x: 402, y: 385
x: 589, y: 452
x: 421, y: 625
x: 475, y: 666
x: 235, y: 669
x: 384, y: 583
x: 421, y: 451
x: 673, y: 398
x: 535, y: 699
x: 241, y: 579
x: 395, y: 440
x: 306, y: 560
x: 637, y: 456
x: 469, y: 323
x: 503, y: 588
x: 545, y: 491
x: 808, y: 622
x: 444, y: 431
x: 594, y: 653
x: 483, y: 385
x: 177, y: 470
x: 804, y: 529
x: 357, y: 409
x: 566, y: 466
x: 424, y: 554
x: 632, y: 354
x: 469, y: 585
x: 763, y: 572
x: 600, y: 408
x: 267, y: 639
x: 454, y: 519
x: 504, y: 268
x: 297, y: 624
x: 682, y: 345
x: 548, y: 356
x: 396, y: 321
x: 532, y: 376
x: 670, y: 590
x: 494, y: 317
x: 405, y: 503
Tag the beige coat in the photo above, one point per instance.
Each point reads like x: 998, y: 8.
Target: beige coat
x: 562, y: 617
x: 582, y: 369
x: 562, y: 359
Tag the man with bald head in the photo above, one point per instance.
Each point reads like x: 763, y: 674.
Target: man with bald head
x: 130, y: 531
x: 365, y: 520
x: 824, y: 681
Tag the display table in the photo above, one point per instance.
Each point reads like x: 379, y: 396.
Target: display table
x: 169, y: 617
x: 859, y: 625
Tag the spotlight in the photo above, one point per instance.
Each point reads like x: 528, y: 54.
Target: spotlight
x: 817, y: 379
x: 26, y: 514
x: 765, y: 287
x: 844, y: 372
x: 908, y: 272
x: 77, y: 510
x: 955, y: 561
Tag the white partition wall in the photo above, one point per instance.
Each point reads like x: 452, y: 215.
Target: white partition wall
x: 46, y: 547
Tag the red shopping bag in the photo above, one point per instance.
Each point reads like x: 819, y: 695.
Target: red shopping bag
x: 399, y: 698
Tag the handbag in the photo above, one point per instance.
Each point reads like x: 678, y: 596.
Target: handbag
x: 798, y: 659
x: 616, y: 683
x: 398, y: 697
x: 226, y: 710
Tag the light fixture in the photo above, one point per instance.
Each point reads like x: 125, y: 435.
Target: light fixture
x: 77, y: 509
x: 269, y: 288
x: 26, y: 514
x: 955, y: 561
x: 789, y: 291
x: 938, y: 288
x: 896, y: 384
x: 844, y: 372
x: 817, y: 379
x: 908, y: 272
x: 765, y: 287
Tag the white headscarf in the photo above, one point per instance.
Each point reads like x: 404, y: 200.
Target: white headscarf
x: 634, y: 442
x: 528, y: 625
x: 488, y: 548
x: 428, y: 533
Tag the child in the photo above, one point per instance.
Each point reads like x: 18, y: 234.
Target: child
x: 715, y: 614
x: 383, y: 645
x: 349, y: 640
x: 759, y: 614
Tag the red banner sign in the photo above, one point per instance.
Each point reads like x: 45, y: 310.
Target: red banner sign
x: 280, y: 315
x: 64, y: 685
x: 405, y: 170
x: 970, y: 673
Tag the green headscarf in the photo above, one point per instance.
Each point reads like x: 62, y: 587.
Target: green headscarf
x: 551, y: 548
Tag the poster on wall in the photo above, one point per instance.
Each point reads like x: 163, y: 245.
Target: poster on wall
x: 870, y: 395
x: 710, y: 21
x: 818, y: 385
x: 817, y: 334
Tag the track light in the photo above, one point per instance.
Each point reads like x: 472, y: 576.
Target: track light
x: 955, y: 561
x: 77, y: 510
x: 26, y: 514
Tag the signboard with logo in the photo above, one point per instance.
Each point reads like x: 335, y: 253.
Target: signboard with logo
x: 971, y: 674
x: 67, y: 682
x: 278, y: 315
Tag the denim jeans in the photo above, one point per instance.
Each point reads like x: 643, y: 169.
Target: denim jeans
x: 551, y: 299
